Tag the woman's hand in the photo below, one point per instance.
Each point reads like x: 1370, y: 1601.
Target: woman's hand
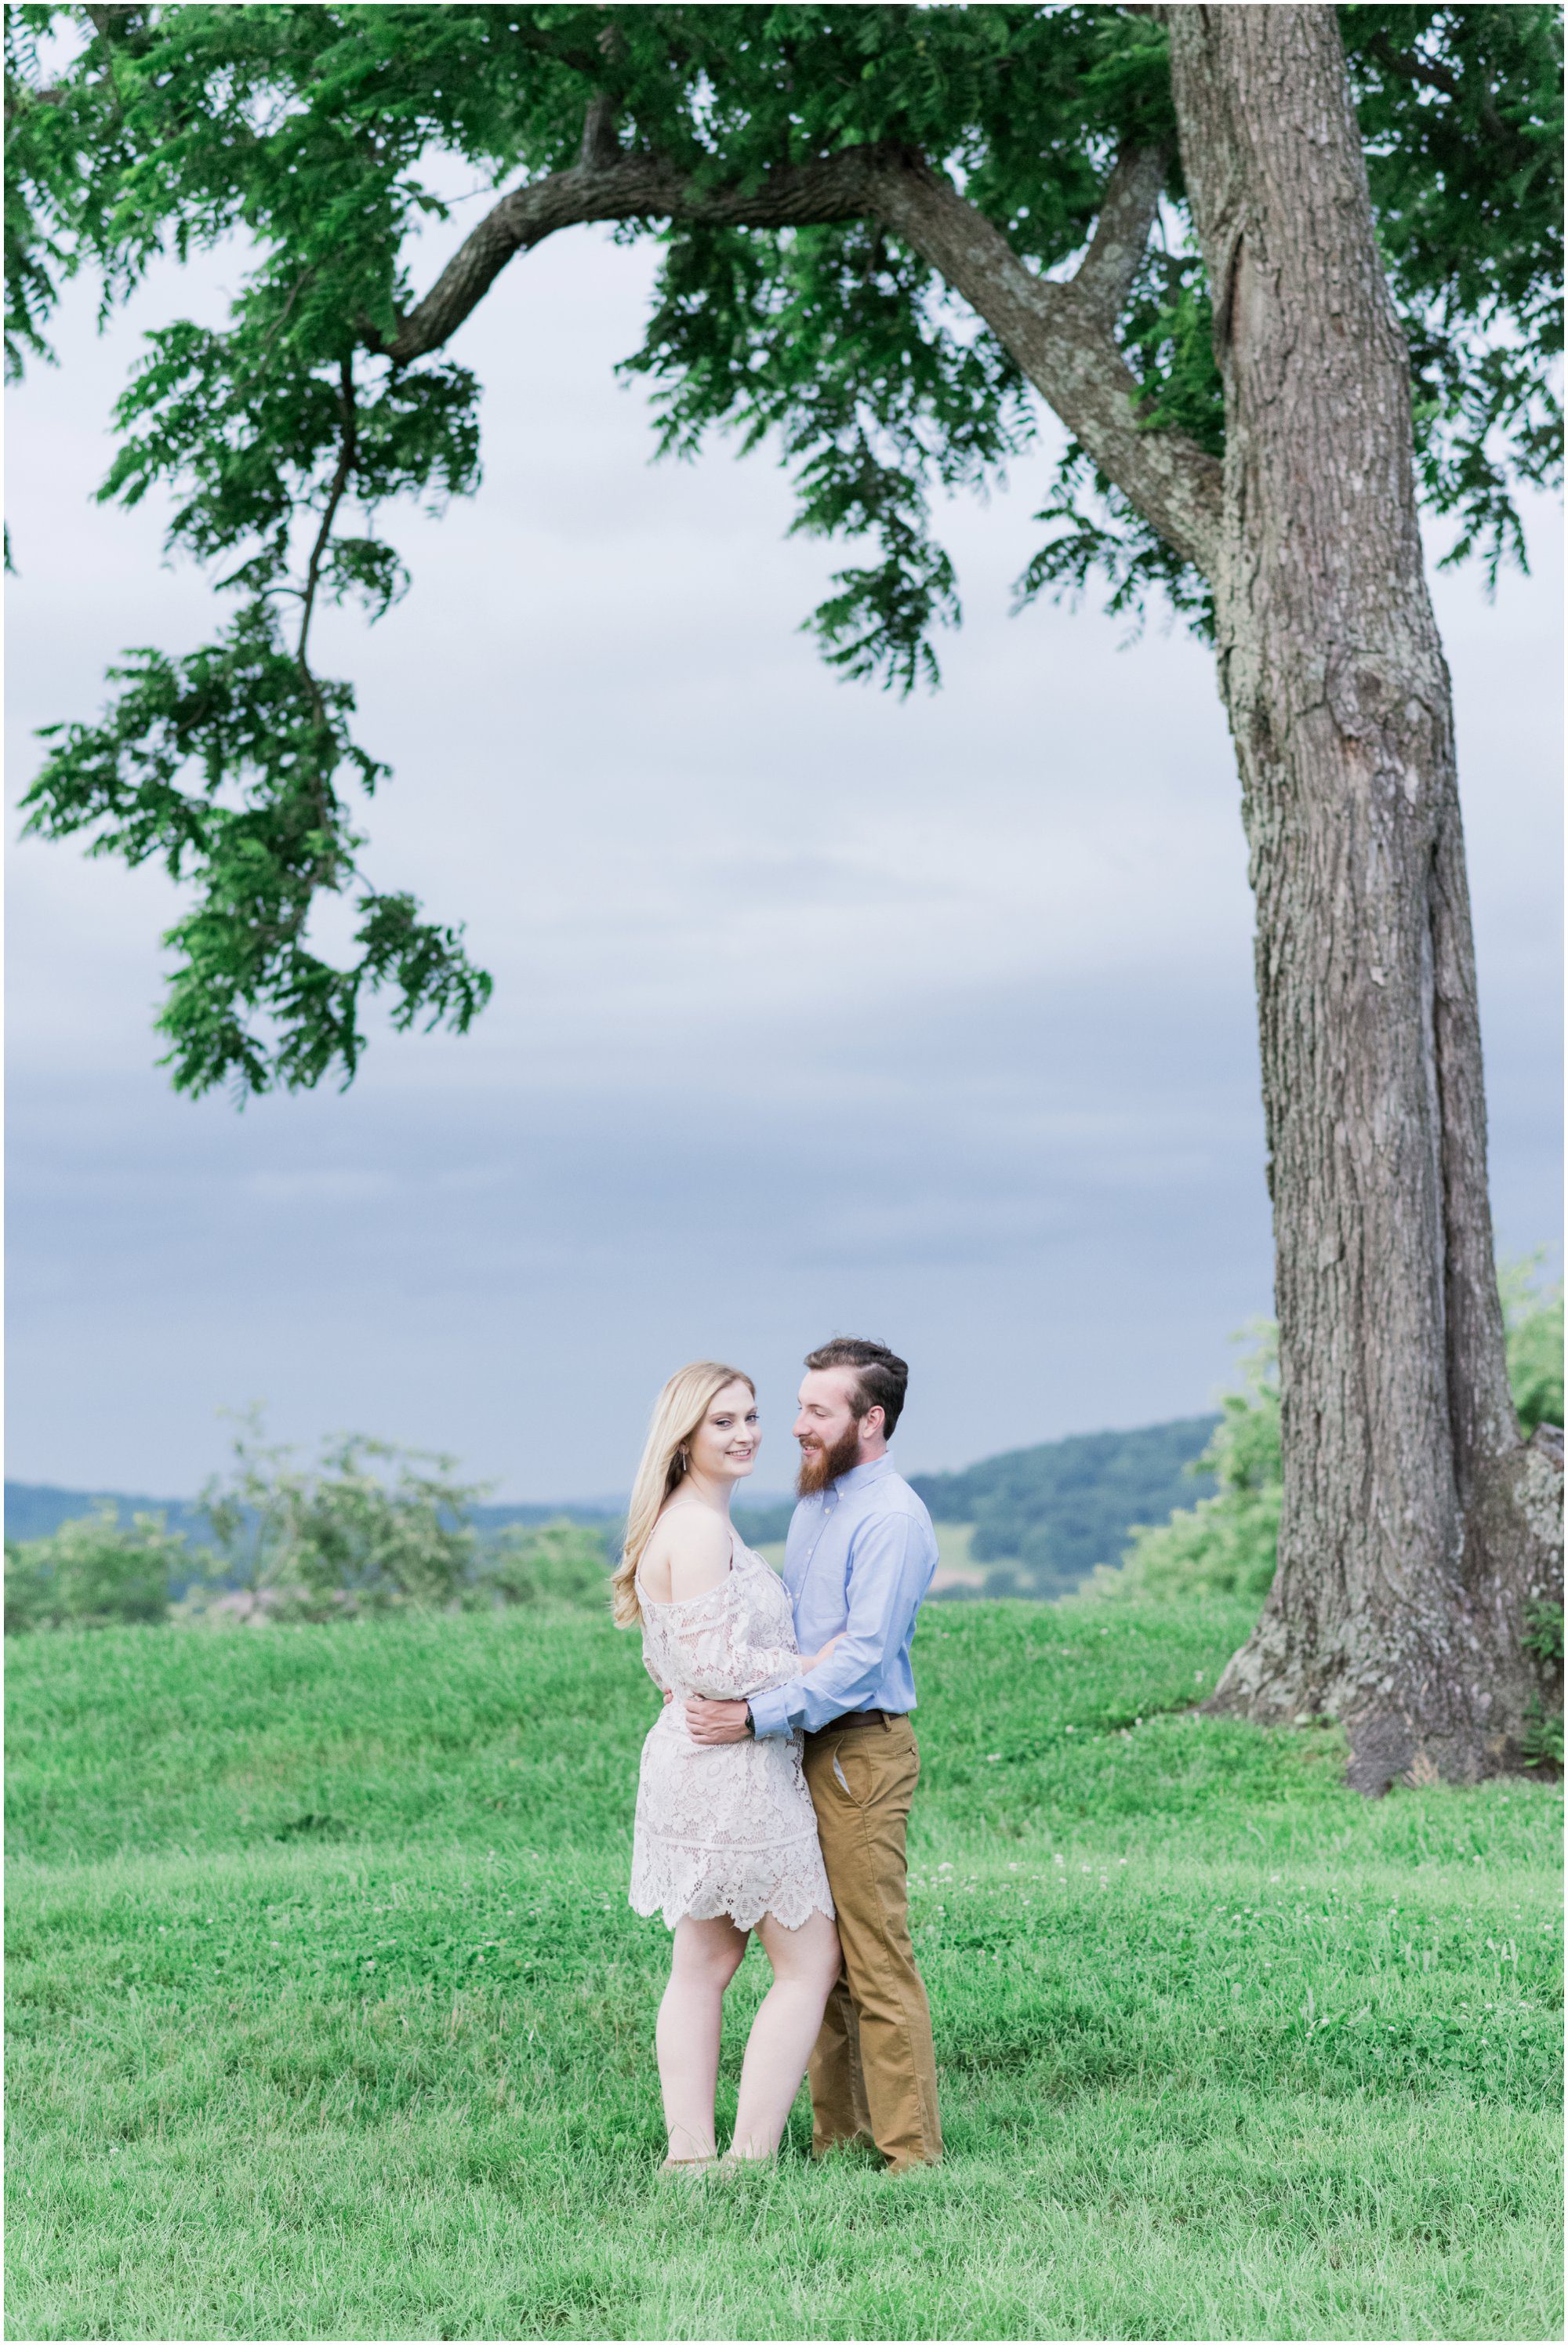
x: 809, y: 1661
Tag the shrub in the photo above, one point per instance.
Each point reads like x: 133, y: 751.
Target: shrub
x: 1533, y: 1318
x: 372, y: 1528
x: 369, y: 1528
x: 93, y: 1572
x: 1543, y: 1640
x: 543, y: 1563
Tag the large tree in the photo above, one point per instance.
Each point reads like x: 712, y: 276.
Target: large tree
x: 1224, y: 245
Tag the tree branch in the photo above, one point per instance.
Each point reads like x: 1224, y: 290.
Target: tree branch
x: 1062, y: 338
x: 347, y: 456
x: 1061, y: 335
x: 630, y: 187
x: 116, y: 27
x: 1412, y: 68
x: 1127, y: 212
x: 600, y: 148
x: 109, y: 24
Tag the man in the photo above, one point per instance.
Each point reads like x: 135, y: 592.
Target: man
x: 860, y: 1557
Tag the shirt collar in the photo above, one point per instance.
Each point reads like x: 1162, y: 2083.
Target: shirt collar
x: 859, y: 1475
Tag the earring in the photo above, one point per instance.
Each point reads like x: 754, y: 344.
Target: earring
x: 680, y: 1461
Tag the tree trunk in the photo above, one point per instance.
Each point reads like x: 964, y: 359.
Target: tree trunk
x: 1417, y: 1523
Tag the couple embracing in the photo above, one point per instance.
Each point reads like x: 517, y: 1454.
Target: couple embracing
x: 775, y: 1786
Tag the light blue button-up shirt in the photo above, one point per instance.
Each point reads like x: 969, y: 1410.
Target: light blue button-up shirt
x: 859, y: 1558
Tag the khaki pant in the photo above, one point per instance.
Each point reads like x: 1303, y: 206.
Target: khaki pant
x: 874, y: 2070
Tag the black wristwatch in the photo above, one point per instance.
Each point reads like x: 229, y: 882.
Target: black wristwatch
x: 751, y: 1723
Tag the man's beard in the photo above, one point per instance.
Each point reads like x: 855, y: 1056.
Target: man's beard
x: 819, y: 1465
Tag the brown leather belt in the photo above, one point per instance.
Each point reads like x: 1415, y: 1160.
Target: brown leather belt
x: 859, y: 1718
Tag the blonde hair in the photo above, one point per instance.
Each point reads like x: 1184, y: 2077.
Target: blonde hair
x: 677, y: 1412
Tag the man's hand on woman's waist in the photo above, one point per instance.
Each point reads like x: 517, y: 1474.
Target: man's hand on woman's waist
x: 717, y: 1722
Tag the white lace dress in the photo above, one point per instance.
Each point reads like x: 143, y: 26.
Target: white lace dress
x: 725, y: 1827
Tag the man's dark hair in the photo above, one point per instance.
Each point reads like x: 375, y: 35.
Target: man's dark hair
x: 881, y: 1378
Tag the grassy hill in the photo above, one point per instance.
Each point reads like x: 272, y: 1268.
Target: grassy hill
x: 328, y: 2016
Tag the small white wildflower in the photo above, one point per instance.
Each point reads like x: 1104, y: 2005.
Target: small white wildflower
x: 992, y: 1757
x: 1058, y: 1860
x: 1121, y: 1860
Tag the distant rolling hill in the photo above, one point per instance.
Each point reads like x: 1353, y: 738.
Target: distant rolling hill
x: 1038, y: 1520
x: 33, y: 1509
x: 1043, y: 1518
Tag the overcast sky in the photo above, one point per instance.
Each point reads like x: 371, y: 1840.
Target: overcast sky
x: 814, y: 1012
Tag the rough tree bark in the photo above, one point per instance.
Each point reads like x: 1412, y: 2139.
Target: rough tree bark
x: 1417, y: 1523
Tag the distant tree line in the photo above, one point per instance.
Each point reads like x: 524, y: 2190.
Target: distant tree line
x: 1044, y: 1518
x: 368, y: 1529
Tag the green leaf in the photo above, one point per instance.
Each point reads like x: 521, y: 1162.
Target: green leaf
x: 317, y: 134
x: 223, y: 766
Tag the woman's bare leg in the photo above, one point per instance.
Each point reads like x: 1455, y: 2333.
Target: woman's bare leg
x: 805, y: 1964
x: 703, y: 1959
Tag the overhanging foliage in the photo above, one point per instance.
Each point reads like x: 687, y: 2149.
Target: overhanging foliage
x: 773, y: 153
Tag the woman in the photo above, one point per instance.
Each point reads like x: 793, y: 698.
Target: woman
x: 725, y: 1837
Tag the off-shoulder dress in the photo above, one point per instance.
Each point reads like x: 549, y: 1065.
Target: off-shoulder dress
x: 724, y: 1828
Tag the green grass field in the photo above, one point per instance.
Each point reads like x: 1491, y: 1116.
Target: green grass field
x: 329, y: 2017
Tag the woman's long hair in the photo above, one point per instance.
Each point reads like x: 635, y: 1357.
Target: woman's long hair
x: 677, y: 1412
